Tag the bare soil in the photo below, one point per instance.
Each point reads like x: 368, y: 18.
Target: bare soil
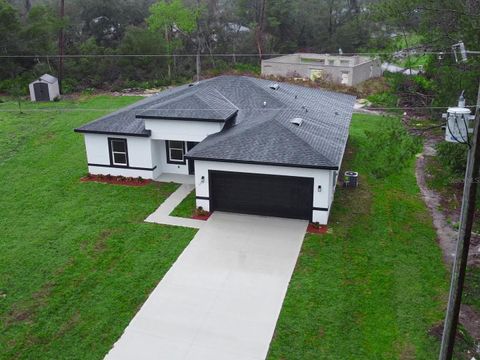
x: 447, y: 236
x: 442, y: 216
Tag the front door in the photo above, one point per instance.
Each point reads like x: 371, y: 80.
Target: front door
x: 191, y: 163
x: 41, y: 92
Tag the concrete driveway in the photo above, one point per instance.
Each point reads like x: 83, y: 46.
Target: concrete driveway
x: 222, y: 297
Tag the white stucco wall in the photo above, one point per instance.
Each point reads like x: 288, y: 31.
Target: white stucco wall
x: 321, y: 199
x: 181, y: 129
x: 139, y: 156
x: 159, y: 152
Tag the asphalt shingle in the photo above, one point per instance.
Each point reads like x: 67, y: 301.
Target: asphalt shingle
x: 262, y: 130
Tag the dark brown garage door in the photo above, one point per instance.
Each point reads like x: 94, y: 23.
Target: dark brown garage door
x: 259, y: 194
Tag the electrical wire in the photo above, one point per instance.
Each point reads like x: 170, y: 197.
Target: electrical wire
x: 228, y: 54
x: 53, y: 109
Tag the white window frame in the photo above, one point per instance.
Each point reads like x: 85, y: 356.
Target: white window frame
x: 113, y: 152
x: 169, y: 152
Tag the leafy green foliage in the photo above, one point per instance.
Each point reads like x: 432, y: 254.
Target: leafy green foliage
x: 169, y: 14
x: 453, y: 157
x: 383, y: 99
x: 389, y: 148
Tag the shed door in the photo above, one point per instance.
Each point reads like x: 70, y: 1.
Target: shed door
x: 41, y: 92
x: 260, y: 194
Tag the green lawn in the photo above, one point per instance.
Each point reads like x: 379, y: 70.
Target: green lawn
x: 77, y: 260
x: 186, y: 208
x: 373, y: 287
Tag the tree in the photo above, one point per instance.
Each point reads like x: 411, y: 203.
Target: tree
x: 174, y: 19
x: 9, y: 42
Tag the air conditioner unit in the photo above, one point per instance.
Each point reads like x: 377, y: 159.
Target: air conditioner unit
x: 350, y: 179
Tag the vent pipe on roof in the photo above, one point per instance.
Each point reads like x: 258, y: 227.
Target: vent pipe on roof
x: 264, y: 104
x: 297, y: 121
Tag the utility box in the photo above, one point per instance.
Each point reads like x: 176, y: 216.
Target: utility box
x: 458, y: 124
x: 350, y: 179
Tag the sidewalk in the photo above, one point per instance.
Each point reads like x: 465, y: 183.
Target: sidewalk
x: 162, y: 214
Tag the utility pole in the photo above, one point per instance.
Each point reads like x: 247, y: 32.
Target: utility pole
x: 61, y: 45
x: 463, y: 243
x: 197, y: 58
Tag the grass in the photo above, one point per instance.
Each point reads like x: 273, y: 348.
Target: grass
x: 373, y: 287
x: 471, y: 292
x: 186, y: 208
x: 77, y: 260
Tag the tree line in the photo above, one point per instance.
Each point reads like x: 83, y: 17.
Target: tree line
x: 188, y: 30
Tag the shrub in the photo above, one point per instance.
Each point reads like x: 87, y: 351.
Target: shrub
x: 383, y: 99
x: 453, y: 157
x: 389, y: 148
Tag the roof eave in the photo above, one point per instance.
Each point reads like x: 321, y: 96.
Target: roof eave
x: 182, y: 118
x: 112, y: 133
x: 306, y: 166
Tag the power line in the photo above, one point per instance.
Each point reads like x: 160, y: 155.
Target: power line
x: 228, y: 54
x: 260, y: 108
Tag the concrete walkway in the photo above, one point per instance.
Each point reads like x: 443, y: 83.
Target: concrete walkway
x: 222, y: 297
x: 162, y: 214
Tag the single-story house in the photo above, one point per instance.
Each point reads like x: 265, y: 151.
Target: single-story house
x: 342, y: 69
x: 253, y: 146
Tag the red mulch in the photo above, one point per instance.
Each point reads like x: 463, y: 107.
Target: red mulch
x: 322, y: 229
x: 116, y: 180
x: 201, y: 217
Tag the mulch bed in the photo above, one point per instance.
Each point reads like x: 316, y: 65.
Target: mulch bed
x: 116, y: 180
x: 321, y: 229
x: 201, y: 217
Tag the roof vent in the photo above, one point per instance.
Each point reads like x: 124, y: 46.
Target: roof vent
x: 193, y: 84
x: 274, y: 86
x: 297, y: 121
x: 264, y: 104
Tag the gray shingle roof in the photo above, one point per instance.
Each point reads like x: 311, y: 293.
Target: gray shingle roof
x: 203, y: 104
x: 262, y: 130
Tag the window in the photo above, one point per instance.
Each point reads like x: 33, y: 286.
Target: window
x: 175, y: 152
x: 331, y: 62
x: 118, y: 151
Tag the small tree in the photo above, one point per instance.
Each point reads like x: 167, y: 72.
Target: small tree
x: 172, y: 18
x: 17, y: 92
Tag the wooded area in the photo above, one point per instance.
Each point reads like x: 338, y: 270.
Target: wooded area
x: 97, y: 33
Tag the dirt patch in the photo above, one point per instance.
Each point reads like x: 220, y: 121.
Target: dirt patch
x: 470, y: 319
x: 445, y: 234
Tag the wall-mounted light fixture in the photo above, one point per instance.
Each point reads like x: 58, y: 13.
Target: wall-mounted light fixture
x: 202, y: 179
x: 319, y: 188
